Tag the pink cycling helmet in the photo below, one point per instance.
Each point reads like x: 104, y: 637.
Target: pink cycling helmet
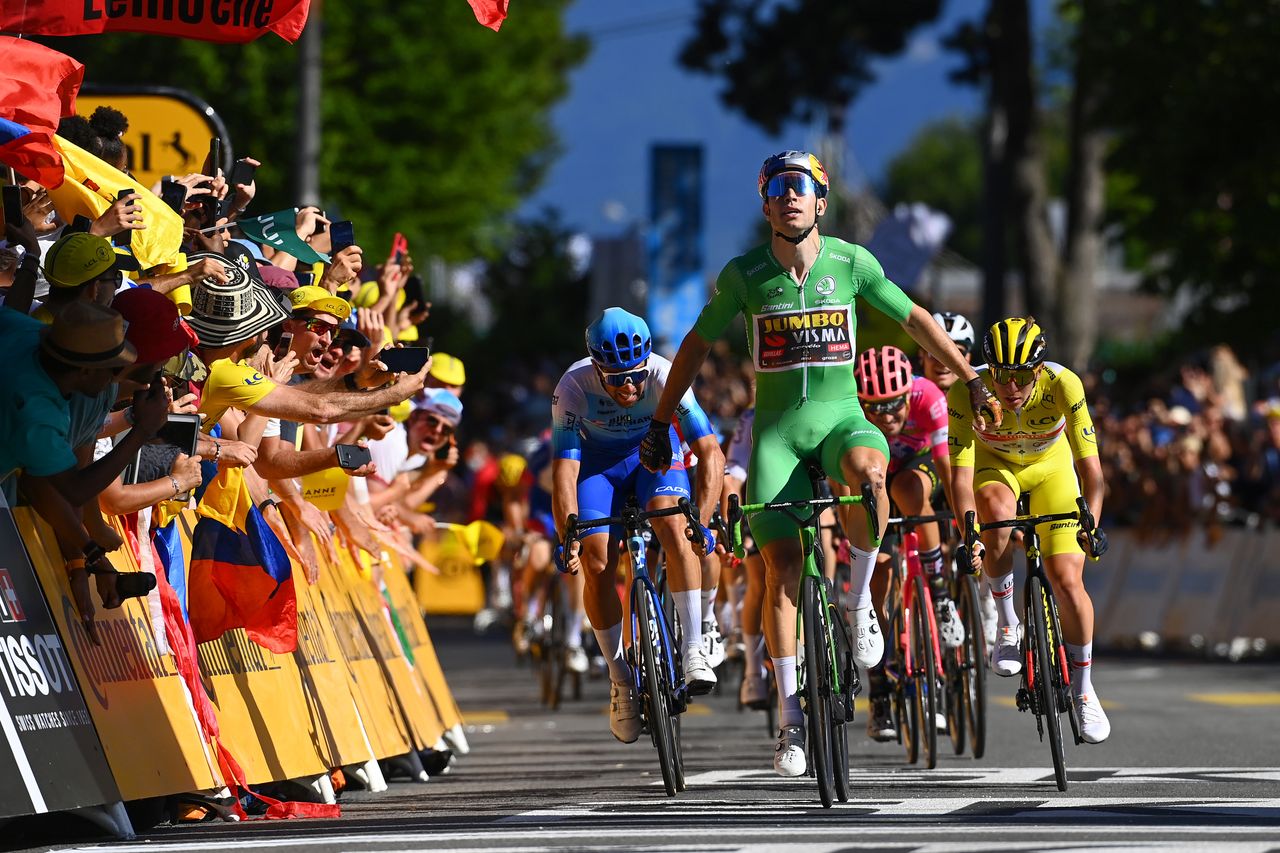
x: 883, y: 373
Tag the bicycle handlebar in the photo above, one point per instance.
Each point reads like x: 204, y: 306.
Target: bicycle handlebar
x: 693, y: 531
x: 1023, y: 522
x: 816, y: 506
x: 917, y: 520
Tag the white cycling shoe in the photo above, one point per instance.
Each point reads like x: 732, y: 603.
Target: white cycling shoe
x: 788, y: 755
x: 754, y: 693
x: 1006, y: 654
x: 699, y: 677
x: 713, y: 644
x: 1094, y: 725
x: 624, y: 713
x: 868, y: 641
x: 576, y: 660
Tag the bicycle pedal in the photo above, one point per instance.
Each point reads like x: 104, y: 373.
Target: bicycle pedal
x: 1024, y: 699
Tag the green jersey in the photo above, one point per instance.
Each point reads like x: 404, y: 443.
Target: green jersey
x: 802, y: 336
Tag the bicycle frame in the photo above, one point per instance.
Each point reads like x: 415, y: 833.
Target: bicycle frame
x: 808, y: 542
x: 910, y: 550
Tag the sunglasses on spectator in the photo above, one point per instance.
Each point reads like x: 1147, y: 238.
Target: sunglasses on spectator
x: 783, y: 181
x: 885, y: 407
x: 617, y: 380
x: 317, y: 326
x: 435, y: 423
x: 1019, y: 376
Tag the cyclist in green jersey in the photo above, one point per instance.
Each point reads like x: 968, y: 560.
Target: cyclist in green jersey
x: 797, y: 295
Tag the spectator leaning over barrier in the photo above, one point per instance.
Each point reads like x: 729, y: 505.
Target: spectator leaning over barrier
x: 431, y: 429
x: 232, y: 320
x: 79, y: 354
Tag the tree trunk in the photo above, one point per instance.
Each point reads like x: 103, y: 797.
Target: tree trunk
x: 1077, y: 298
x: 1030, y: 193
x: 995, y: 178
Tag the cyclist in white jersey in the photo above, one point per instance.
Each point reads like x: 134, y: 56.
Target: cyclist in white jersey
x: 601, y: 410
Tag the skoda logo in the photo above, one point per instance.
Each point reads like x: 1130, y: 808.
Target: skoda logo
x: 826, y: 286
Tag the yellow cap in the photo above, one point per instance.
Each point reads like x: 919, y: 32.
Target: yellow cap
x: 401, y: 411
x: 448, y: 369
x: 510, y: 469
x: 316, y: 298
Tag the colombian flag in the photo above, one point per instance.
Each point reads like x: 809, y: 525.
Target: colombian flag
x: 240, y: 575
x: 38, y: 87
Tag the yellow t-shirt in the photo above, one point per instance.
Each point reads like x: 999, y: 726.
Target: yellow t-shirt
x: 231, y: 385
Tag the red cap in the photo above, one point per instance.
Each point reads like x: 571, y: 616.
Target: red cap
x: 277, y: 278
x: 155, y: 328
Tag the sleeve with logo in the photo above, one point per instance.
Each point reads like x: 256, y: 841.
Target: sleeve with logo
x: 960, y: 436
x: 568, y: 405
x: 934, y: 421
x: 231, y: 385
x: 870, y: 284
x: 727, y: 300
x: 1080, y: 433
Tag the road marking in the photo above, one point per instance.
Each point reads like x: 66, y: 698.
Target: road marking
x: 988, y: 777
x: 1012, y: 702
x: 1239, y: 700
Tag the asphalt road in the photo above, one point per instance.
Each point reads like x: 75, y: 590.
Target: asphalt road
x: 1193, y: 763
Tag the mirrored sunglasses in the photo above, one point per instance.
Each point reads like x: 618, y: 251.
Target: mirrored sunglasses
x: 1019, y: 376
x: 884, y: 407
x: 783, y: 181
x: 617, y: 380
x: 317, y: 326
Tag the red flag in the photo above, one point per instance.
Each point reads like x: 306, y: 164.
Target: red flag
x: 491, y: 13
x: 206, y: 20
x: 38, y: 87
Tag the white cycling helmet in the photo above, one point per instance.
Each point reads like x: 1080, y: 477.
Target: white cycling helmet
x: 957, y: 327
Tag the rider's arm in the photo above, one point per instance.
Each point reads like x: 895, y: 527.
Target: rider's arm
x: 921, y: 326
x: 728, y: 299
x: 564, y: 492
x: 710, y: 475
x: 1082, y: 438
x: 960, y: 443
x: 1092, y: 486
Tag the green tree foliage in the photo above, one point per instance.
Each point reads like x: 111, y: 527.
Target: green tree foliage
x: 942, y: 167
x: 536, y: 289
x: 798, y: 61
x: 433, y: 125
x: 1189, y: 92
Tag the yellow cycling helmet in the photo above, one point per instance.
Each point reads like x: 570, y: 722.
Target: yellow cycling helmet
x: 510, y: 469
x: 1014, y: 342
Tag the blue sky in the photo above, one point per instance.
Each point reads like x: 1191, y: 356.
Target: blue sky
x: 631, y: 93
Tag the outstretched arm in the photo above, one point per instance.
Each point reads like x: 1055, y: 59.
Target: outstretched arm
x: 684, y: 367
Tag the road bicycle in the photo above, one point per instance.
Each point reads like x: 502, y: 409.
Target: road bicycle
x: 1045, y: 690
x: 550, y: 649
x: 828, y: 678
x: 655, y: 666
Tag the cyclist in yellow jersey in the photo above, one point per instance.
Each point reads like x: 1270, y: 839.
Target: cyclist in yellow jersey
x: 1046, y: 427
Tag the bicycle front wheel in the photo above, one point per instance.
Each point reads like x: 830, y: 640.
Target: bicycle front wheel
x: 656, y: 704
x: 840, y: 721
x: 973, y: 669
x: 1046, y: 694
x: 817, y: 668
x: 924, y: 665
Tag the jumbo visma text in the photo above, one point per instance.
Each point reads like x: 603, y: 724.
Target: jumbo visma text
x: 811, y: 320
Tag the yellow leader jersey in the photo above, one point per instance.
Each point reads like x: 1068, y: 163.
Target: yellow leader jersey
x: 1056, y: 406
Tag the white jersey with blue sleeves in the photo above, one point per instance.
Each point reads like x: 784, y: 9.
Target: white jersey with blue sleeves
x: 585, y: 418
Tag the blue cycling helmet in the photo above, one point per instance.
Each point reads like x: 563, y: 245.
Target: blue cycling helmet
x: 618, y: 340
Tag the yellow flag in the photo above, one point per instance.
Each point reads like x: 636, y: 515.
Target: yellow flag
x: 90, y: 188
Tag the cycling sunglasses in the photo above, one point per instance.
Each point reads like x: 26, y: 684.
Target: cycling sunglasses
x: 783, y: 181
x: 617, y: 380
x: 885, y: 407
x: 318, y: 327
x: 1019, y: 376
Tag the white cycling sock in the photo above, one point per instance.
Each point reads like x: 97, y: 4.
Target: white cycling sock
x: 931, y: 561
x: 861, y: 565
x: 533, y: 610
x: 1002, y: 592
x: 1081, y: 658
x: 753, y: 654
x: 610, y: 640
x: 573, y: 631
x: 709, y: 605
x: 689, y: 611
x: 789, y: 713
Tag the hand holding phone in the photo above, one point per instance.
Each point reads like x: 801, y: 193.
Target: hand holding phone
x: 341, y: 235
x: 124, y: 237
x: 242, y: 172
x: 174, y: 194
x: 405, y: 359
x: 13, y: 205
x: 352, y: 456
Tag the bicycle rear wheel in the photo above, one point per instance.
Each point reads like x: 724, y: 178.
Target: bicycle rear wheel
x: 903, y: 690
x: 924, y: 665
x: 1046, y: 694
x: 973, y: 670
x: 818, y: 690
x: 656, y: 706
x: 840, y: 721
